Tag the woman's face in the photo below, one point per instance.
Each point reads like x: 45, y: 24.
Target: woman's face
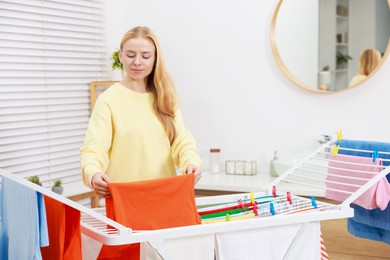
x: 138, y: 57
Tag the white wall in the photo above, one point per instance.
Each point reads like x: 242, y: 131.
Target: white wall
x: 233, y: 94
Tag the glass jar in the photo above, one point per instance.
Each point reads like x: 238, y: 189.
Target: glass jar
x: 215, y: 154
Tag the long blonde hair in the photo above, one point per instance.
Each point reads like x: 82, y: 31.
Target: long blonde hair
x: 159, y: 82
x: 369, y: 60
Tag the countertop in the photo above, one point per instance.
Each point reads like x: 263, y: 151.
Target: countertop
x: 247, y: 183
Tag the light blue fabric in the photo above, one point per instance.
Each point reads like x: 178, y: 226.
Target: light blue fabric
x: 23, y: 217
x: 370, y: 224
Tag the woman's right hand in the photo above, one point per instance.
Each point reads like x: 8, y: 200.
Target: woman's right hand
x: 99, y: 185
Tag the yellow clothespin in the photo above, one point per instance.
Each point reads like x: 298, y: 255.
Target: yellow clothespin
x: 252, y: 196
x: 339, y: 135
x: 335, y: 150
x: 227, y: 217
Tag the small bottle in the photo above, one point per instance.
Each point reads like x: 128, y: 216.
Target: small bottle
x: 272, y: 170
x: 214, y: 160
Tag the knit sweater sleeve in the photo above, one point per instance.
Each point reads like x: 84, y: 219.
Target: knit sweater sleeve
x: 97, y: 142
x: 184, y: 150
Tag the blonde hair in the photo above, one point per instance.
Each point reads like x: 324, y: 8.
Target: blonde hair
x: 159, y: 82
x: 369, y: 60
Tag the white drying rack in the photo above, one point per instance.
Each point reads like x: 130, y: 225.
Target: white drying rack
x: 94, y: 222
x: 311, y: 172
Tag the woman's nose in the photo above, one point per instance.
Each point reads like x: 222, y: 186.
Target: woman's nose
x: 137, y: 60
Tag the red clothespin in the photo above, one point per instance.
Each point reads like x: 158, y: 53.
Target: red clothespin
x: 289, y: 197
x: 274, y: 191
x: 255, y: 210
x: 241, y: 204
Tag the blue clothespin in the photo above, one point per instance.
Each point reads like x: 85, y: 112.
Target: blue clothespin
x: 272, y: 208
x: 375, y: 155
x: 313, y: 202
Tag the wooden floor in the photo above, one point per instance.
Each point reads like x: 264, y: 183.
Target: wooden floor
x: 341, y: 245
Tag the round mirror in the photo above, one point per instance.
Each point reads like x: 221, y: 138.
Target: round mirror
x: 318, y: 44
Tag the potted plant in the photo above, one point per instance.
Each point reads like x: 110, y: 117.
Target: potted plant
x: 35, y: 179
x: 342, y: 58
x: 57, y: 187
x: 116, y: 63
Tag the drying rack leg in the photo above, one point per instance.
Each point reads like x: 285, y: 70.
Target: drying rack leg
x: 298, y: 244
x: 160, y: 249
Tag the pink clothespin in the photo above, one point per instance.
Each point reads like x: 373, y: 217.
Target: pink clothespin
x: 289, y: 197
x: 241, y: 204
x: 274, y: 191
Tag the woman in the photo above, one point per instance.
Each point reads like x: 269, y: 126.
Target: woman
x: 369, y: 60
x: 136, y: 131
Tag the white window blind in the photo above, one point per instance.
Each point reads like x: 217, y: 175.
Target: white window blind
x: 49, y: 53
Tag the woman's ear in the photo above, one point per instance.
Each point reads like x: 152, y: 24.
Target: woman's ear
x: 120, y: 56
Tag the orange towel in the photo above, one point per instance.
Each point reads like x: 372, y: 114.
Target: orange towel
x: 64, y: 232
x: 148, y: 205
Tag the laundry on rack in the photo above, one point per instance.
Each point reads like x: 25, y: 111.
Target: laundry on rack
x: 148, y: 205
x: 270, y: 208
x: 347, y: 170
x: 370, y: 224
x: 268, y: 243
x: 64, y: 232
x: 366, y: 149
x: 23, y: 227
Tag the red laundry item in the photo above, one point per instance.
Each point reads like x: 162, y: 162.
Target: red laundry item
x: 148, y: 205
x: 63, y: 223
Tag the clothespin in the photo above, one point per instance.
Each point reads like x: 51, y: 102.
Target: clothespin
x: 375, y: 155
x: 335, y: 150
x: 272, y: 208
x: 289, y: 197
x: 313, y: 202
x: 255, y: 210
x: 252, y: 196
x: 339, y: 135
x: 227, y: 217
x: 274, y: 191
x: 241, y: 204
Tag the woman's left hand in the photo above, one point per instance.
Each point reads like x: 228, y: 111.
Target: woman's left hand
x: 195, y: 170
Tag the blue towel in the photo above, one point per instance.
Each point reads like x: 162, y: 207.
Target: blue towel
x: 370, y: 224
x: 364, y: 231
x: 23, y: 222
x: 365, y: 145
x: 375, y: 218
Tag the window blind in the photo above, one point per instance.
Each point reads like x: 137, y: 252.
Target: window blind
x: 50, y: 50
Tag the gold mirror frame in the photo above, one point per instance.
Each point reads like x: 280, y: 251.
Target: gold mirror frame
x: 294, y: 79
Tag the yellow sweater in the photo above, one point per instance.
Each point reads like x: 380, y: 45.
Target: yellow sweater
x: 126, y: 140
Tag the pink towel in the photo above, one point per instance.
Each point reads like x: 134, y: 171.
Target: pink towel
x: 378, y: 196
